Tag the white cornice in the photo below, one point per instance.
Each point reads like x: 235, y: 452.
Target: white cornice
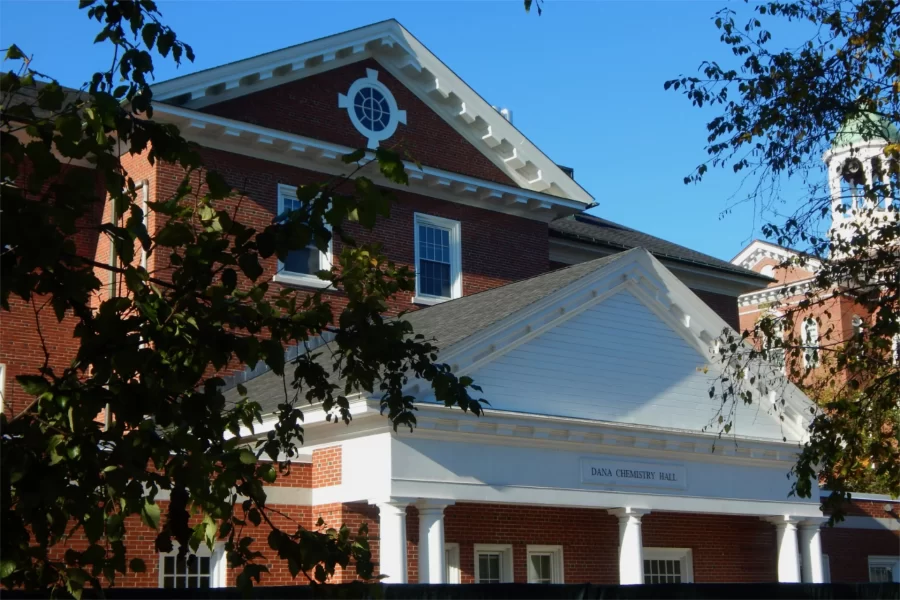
x: 311, y: 154
x: 775, y: 294
x: 416, y: 67
x: 759, y: 250
x: 568, y: 433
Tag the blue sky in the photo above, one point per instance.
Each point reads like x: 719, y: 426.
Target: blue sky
x: 584, y: 82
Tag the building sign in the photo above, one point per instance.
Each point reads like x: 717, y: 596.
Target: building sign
x: 618, y: 473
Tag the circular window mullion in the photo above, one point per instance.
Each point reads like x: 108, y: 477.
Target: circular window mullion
x: 372, y: 108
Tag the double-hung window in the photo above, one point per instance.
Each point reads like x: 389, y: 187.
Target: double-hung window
x: 205, y: 569
x: 438, y: 259
x: 300, y: 266
x: 545, y: 564
x: 668, y: 565
x: 493, y: 563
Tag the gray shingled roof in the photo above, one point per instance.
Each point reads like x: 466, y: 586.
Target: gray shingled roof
x: 448, y: 323
x: 594, y: 230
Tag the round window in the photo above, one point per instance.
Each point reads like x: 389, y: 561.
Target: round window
x: 372, y: 108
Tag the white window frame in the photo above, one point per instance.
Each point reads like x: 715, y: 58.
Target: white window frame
x: 218, y: 576
x: 2, y: 386
x: 811, y: 356
x: 506, y: 560
x: 325, y: 258
x: 890, y: 562
x: 680, y: 554
x: 556, y: 562
x: 451, y: 567
x: 895, y: 349
x: 455, y: 256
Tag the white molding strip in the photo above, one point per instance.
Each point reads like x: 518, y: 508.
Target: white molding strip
x: 308, y: 153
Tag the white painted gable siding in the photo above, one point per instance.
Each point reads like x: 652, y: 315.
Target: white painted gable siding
x: 616, y: 361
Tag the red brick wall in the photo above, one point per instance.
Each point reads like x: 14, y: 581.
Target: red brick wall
x: 309, y: 107
x: 725, y: 548
x: 20, y: 343
x: 496, y: 248
x: 848, y: 551
x: 326, y: 467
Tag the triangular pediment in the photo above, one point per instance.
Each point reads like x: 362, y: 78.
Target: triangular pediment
x: 408, y: 61
x: 618, y: 362
x: 626, y: 343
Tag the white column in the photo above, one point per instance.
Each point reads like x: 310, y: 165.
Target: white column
x: 432, y: 565
x: 788, y: 556
x: 811, y: 550
x: 392, y: 540
x: 631, y: 545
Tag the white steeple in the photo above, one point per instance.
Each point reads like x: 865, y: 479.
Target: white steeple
x: 861, y: 185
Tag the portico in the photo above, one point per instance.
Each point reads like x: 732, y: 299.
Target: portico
x: 792, y: 554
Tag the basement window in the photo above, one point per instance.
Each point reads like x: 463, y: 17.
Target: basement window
x: 203, y: 569
x: 493, y: 563
x: 545, y: 564
x: 884, y: 569
x: 438, y: 259
x: 668, y: 565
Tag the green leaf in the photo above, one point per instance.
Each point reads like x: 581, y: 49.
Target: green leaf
x: 355, y: 156
x: 247, y: 457
x: 7, y: 567
x: 34, y: 385
x: 150, y: 514
x: 14, y: 53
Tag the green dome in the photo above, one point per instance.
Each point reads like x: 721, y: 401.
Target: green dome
x: 863, y: 128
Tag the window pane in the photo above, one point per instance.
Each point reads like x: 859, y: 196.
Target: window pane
x: 488, y: 568
x: 204, y: 565
x: 169, y: 565
x: 434, y: 278
x: 541, y: 568
x: 302, y: 261
x: 434, y: 261
x: 881, y: 575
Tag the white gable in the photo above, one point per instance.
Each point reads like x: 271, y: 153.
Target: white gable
x: 617, y: 361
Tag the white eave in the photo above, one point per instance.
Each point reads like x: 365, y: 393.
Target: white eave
x: 407, y: 59
x: 307, y: 153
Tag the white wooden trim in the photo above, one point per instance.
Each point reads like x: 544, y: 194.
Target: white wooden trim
x: 557, y: 574
x: 506, y: 560
x: 889, y: 562
x: 451, y: 550
x: 684, y: 555
x: 264, y: 143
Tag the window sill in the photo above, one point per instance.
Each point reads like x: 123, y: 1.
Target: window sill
x: 299, y: 280
x: 430, y: 300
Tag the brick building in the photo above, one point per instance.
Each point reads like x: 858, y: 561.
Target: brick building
x: 591, y: 340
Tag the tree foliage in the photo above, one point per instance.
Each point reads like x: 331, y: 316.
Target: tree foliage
x: 141, y: 408
x: 778, y: 110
